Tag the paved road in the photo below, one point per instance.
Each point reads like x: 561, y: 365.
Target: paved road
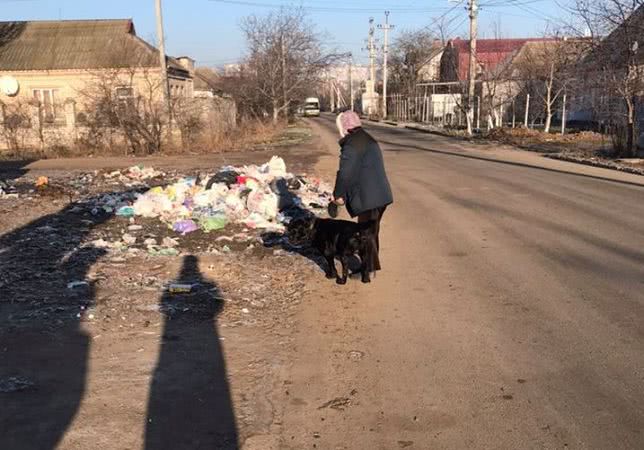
x: 510, y: 313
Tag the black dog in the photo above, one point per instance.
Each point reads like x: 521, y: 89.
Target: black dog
x: 335, y: 238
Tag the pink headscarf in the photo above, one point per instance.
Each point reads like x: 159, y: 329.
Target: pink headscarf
x: 347, y: 121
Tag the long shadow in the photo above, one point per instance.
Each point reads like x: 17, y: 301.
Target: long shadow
x: 43, y: 350
x: 190, y: 405
x: 11, y: 170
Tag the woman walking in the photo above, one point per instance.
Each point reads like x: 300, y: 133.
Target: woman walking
x: 361, y: 183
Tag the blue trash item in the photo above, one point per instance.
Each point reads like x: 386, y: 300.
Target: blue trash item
x: 125, y: 211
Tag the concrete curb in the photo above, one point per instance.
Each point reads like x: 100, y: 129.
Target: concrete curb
x: 600, y: 164
x: 436, y: 132
x: 556, y: 156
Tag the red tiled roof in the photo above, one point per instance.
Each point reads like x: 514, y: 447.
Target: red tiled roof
x: 489, y: 52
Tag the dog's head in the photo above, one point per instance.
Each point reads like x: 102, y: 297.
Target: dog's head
x: 301, y: 230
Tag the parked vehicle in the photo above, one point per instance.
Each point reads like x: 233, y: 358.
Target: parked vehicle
x: 312, y: 107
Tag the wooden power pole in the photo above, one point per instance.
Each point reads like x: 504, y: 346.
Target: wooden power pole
x: 471, y: 91
x: 162, y: 60
x: 386, y: 27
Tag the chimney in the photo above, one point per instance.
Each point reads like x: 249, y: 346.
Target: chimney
x: 187, y: 63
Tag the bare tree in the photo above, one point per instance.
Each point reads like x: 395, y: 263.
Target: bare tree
x: 286, y: 60
x: 546, y: 71
x: 410, y: 55
x: 614, y: 67
x: 130, y: 100
x: 15, y: 124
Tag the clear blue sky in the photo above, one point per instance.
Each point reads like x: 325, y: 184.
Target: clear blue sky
x: 208, y: 30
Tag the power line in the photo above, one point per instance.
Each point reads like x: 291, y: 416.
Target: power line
x: 349, y: 10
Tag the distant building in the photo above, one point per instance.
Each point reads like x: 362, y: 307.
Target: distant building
x: 206, y: 82
x: 232, y: 70
x: 53, y: 62
x: 455, y: 60
x: 430, y: 70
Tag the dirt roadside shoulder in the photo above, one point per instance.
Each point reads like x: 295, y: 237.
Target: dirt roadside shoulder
x: 119, y: 359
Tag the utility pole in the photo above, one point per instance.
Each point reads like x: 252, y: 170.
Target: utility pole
x: 371, y: 86
x: 352, y: 100
x: 473, y: 13
x: 162, y: 61
x: 386, y: 27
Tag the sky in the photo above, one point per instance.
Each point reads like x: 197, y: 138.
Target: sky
x: 209, y: 32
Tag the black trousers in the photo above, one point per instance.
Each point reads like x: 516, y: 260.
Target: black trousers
x: 373, y: 258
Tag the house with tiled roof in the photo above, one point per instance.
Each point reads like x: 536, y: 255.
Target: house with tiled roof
x: 490, y: 54
x: 54, y: 62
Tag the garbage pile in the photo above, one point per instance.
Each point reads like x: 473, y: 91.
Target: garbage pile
x: 257, y: 197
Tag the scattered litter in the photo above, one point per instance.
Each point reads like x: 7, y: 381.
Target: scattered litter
x: 170, y: 242
x: 163, y: 252
x: 77, y: 284
x: 42, y: 181
x: 125, y: 211
x: 180, y: 288
x: 129, y: 239
x: 134, y: 173
x: 338, y: 403
x: 212, y: 223
x: 185, y: 226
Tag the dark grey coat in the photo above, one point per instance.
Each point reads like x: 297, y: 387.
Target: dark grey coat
x: 361, y: 180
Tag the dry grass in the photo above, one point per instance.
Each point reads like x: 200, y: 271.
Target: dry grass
x: 535, y: 140
x: 249, y: 135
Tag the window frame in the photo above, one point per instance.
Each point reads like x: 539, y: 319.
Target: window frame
x: 52, y: 112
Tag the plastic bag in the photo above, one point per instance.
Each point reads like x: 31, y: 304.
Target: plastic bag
x: 185, y: 226
x: 264, y: 203
x: 213, y: 223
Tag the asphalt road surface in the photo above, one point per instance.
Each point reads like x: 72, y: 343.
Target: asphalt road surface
x: 509, y: 314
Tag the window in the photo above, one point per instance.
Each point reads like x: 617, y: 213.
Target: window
x: 124, y: 98
x: 48, y: 102
x: 124, y: 92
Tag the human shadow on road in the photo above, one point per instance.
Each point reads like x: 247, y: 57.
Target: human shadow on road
x: 43, y: 347
x: 190, y: 406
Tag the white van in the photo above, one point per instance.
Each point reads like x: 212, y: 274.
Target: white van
x: 312, y: 107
